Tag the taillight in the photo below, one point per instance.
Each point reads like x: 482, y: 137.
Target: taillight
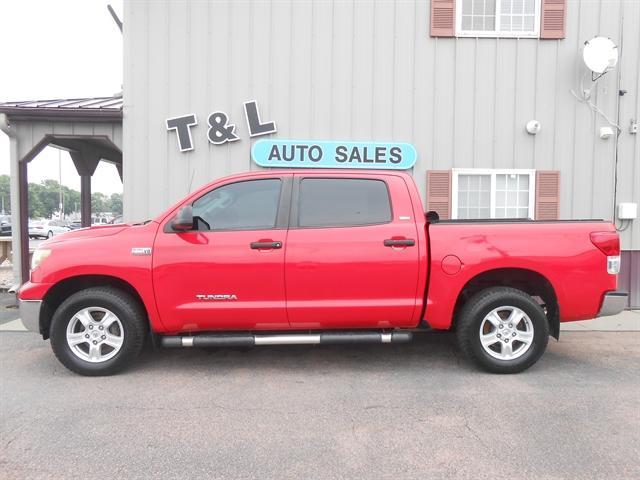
x: 609, y: 244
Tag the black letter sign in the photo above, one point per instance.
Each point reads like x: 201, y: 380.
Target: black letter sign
x: 182, y: 126
x: 254, y: 124
x: 220, y: 130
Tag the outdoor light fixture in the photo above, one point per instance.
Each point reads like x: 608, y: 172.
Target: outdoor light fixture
x: 606, y: 133
x: 533, y: 126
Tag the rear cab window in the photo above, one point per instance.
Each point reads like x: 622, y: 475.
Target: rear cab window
x: 343, y: 202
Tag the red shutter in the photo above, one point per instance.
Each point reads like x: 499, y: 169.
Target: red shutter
x: 552, y: 18
x: 547, y: 195
x: 439, y: 192
x: 443, y: 18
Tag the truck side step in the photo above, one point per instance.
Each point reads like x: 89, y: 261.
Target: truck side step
x: 249, y: 340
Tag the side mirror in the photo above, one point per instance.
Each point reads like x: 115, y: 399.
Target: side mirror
x: 184, y: 219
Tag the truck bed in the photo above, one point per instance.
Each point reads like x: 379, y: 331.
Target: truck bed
x: 560, y: 251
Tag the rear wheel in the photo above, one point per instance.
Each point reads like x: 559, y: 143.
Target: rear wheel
x: 50, y: 234
x: 98, y: 331
x: 503, y: 329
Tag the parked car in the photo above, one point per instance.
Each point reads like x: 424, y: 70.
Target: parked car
x: 317, y: 257
x: 5, y: 226
x: 116, y: 220
x: 46, y: 228
x: 76, y: 224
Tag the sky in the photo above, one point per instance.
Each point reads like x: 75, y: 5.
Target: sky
x: 60, y: 49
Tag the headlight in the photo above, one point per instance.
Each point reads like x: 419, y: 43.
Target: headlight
x: 38, y: 257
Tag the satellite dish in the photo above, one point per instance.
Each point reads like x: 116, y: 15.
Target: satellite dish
x: 600, y: 54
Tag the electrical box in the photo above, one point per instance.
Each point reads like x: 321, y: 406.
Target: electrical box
x: 627, y: 211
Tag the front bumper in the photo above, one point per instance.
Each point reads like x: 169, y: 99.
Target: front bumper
x: 30, y: 314
x: 613, y: 303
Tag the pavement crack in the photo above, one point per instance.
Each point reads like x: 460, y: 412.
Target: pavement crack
x: 475, y: 434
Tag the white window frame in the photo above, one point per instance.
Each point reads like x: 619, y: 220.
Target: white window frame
x: 497, y: 33
x: 455, y: 172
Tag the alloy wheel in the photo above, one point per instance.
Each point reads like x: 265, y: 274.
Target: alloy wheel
x: 506, y: 333
x: 95, y: 334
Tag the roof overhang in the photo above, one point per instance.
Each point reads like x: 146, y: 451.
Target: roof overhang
x: 94, y: 109
x: 66, y: 115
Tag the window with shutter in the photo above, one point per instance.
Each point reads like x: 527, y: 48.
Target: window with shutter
x: 547, y: 195
x: 498, y: 18
x: 439, y: 192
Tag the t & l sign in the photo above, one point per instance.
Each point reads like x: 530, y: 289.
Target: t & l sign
x: 220, y: 129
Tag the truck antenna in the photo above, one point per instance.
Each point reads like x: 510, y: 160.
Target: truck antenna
x: 115, y: 17
x: 193, y: 174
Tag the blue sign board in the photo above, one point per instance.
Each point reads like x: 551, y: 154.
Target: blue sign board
x: 330, y: 154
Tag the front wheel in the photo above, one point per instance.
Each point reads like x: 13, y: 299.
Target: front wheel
x: 503, y: 329
x: 98, y: 331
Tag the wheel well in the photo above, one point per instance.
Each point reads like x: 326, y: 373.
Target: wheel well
x: 528, y: 281
x: 67, y: 287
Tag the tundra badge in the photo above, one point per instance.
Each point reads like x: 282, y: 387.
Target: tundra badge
x: 217, y: 296
x: 141, y: 251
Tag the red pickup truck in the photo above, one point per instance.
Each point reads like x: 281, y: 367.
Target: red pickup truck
x: 313, y: 257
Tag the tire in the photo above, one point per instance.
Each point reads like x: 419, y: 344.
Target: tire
x: 509, y: 346
x: 50, y: 234
x: 87, y: 339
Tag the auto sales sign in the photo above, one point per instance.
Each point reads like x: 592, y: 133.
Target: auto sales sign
x: 333, y: 154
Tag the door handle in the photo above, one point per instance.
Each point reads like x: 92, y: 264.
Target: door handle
x: 404, y: 242
x: 265, y: 245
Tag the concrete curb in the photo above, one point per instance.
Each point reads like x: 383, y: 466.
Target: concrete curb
x: 627, y: 321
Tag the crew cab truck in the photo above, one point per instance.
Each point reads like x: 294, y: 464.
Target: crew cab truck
x: 314, y: 257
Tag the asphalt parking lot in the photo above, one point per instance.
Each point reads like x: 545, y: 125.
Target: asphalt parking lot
x: 380, y: 411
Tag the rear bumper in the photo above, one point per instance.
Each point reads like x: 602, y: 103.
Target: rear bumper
x: 30, y: 314
x: 613, y: 303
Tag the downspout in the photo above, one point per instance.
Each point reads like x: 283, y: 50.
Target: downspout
x: 16, y: 227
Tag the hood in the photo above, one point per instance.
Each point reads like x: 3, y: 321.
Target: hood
x: 90, y: 232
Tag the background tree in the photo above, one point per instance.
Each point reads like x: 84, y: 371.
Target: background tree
x: 98, y: 202
x: 71, y: 200
x: 115, y: 203
x: 36, y: 207
x: 44, y: 199
x: 5, y: 193
x: 50, y: 197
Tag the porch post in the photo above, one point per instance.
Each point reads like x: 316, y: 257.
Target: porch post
x: 86, y: 163
x: 19, y: 229
x: 23, y: 227
x: 85, y: 200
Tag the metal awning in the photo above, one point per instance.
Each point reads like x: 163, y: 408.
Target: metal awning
x: 91, y: 108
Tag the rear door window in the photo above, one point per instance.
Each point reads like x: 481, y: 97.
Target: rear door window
x: 342, y: 202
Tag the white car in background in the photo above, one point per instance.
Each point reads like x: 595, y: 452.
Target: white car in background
x: 46, y: 228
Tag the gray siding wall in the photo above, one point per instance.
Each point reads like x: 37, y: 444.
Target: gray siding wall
x: 368, y: 70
